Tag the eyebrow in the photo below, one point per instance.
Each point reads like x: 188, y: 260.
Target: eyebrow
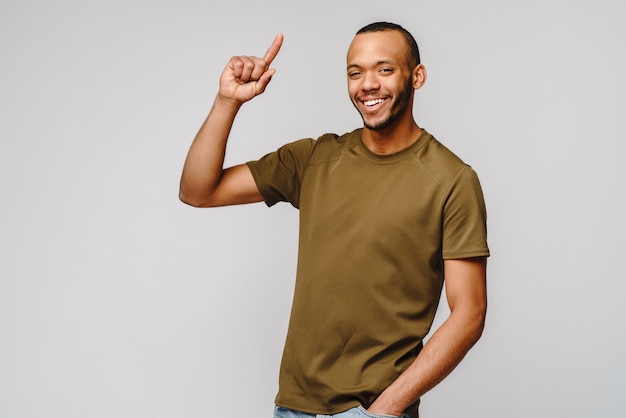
x: 381, y: 62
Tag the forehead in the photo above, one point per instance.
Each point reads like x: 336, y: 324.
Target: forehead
x: 374, y: 47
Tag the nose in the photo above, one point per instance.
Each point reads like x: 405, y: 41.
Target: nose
x: 369, y: 81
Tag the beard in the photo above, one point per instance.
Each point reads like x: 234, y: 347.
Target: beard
x: 401, y: 104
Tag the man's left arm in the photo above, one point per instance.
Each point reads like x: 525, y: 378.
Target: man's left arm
x: 466, y: 293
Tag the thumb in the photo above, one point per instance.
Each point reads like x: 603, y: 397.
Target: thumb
x: 261, y: 83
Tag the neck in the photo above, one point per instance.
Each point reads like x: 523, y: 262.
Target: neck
x: 391, y: 139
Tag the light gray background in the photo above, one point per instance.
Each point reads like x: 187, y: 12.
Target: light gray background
x: 116, y: 300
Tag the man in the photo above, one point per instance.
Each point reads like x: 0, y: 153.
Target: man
x: 386, y: 214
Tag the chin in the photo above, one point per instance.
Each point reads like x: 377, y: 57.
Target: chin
x: 377, y: 125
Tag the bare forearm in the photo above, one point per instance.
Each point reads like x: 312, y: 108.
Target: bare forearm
x: 204, y: 164
x: 466, y: 292
x: 440, y: 355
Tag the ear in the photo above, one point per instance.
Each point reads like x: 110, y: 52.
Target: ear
x: 419, y: 76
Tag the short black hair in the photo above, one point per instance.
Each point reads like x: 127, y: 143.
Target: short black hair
x: 414, y: 52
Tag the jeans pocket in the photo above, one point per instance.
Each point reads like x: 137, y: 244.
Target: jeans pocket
x: 366, y: 413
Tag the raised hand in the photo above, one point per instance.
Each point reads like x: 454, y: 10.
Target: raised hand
x: 247, y: 76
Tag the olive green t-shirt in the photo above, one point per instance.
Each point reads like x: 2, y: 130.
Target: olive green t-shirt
x: 374, y: 231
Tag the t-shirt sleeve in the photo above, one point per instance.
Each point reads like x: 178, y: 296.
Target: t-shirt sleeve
x: 278, y: 175
x: 465, y: 218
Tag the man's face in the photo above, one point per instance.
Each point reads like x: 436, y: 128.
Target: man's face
x: 380, y: 82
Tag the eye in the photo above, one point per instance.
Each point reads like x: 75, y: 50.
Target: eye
x: 354, y: 74
x: 386, y: 70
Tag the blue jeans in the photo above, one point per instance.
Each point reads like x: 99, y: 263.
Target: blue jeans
x: 357, y: 412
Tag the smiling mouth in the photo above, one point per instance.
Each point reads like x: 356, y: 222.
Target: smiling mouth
x: 374, y: 102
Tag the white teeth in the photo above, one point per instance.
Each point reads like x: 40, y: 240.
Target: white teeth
x: 373, y: 102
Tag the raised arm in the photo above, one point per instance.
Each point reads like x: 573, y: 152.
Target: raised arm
x: 204, y: 181
x: 466, y: 292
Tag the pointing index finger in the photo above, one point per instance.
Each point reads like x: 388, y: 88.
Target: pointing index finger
x: 273, y: 49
